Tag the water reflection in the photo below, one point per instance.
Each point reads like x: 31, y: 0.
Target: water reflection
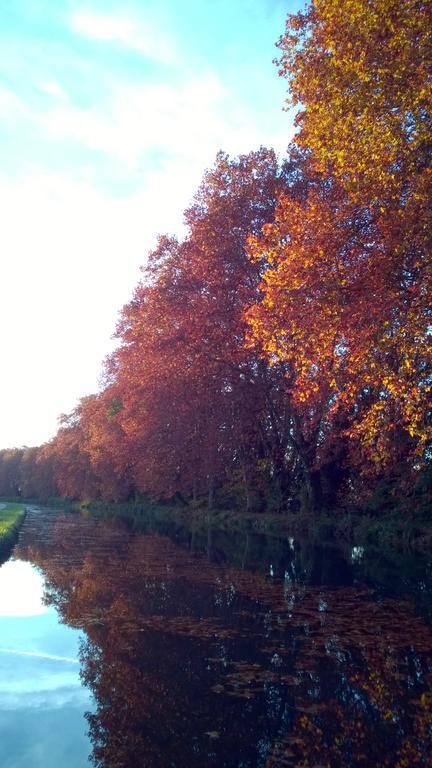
x: 21, y: 590
x: 198, y: 663
x: 40, y: 688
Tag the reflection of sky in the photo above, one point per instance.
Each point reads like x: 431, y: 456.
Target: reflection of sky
x: 42, y: 701
x: 21, y: 588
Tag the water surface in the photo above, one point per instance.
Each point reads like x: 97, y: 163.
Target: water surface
x: 42, y: 700
x: 206, y: 649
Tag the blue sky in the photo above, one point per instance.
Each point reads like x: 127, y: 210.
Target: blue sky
x: 109, y: 114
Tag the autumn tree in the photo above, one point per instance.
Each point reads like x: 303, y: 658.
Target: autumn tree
x: 10, y: 471
x: 72, y: 468
x: 104, y: 443
x: 360, y: 73
x: 356, y: 258
x: 197, y: 405
x: 311, y: 317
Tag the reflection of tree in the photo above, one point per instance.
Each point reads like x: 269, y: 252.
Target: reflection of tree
x: 193, y: 664
x: 371, y: 724
x: 131, y: 705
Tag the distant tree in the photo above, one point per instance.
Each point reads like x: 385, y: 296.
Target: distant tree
x: 72, y: 468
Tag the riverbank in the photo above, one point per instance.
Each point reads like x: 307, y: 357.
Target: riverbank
x: 410, y: 530
x: 405, y: 525
x: 11, y: 518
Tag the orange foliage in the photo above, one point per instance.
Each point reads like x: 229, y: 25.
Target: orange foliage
x: 347, y: 293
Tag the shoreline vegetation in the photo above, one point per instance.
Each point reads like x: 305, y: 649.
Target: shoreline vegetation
x: 354, y: 527
x: 12, y: 516
x: 372, y: 526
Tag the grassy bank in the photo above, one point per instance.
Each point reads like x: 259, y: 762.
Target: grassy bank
x: 11, y: 519
x: 54, y: 502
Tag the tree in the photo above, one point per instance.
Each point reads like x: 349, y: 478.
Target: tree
x: 361, y: 73
x: 73, y: 472
x: 359, y: 253
x: 196, y: 404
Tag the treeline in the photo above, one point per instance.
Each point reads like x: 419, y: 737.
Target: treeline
x: 279, y: 356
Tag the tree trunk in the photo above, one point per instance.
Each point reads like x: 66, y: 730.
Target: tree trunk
x: 210, y: 500
x: 246, y: 489
x: 313, y: 490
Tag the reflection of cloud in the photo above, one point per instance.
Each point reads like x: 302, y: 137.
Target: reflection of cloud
x: 35, y: 654
x: 21, y: 590
x: 26, y: 680
x: 75, y: 696
x: 44, y: 738
x: 39, y: 665
x: 36, y: 679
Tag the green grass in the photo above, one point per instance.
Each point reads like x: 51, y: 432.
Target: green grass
x: 11, y: 518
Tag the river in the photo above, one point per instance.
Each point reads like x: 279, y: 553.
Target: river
x: 169, y: 648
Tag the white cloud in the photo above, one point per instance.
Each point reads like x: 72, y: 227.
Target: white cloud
x: 123, y: 30
x: 52, y: 88
x: 194, y: 117
x: 140, y: 118
x: 12, y: 108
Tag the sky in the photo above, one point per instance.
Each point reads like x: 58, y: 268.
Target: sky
x: 109, y: 114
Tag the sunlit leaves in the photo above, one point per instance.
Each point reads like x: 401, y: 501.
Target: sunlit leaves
x: 347, y: 291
